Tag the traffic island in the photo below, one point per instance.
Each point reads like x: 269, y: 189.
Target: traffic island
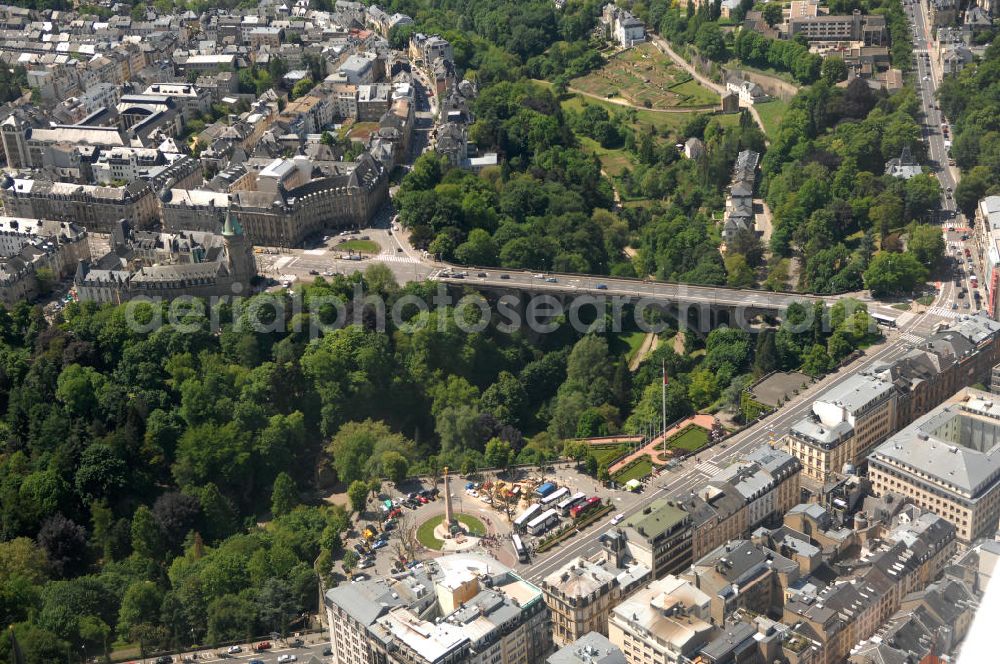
x: 464, y: 533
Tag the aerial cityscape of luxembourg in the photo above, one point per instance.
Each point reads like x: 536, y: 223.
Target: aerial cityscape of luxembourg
x: 500, y: 331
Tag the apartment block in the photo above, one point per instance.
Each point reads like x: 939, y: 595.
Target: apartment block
x: 853, y: 608
x: 581, y: 594
x: 666, y: 622
x: 857, y: 27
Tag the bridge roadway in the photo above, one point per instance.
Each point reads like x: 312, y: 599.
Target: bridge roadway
x: 656, y: 291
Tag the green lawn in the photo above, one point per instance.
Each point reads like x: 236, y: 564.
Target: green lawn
x: 694, y: 93
x: 605, y: 454
x: 626, y: 343
x: 360, y: 246
x: 771, y: 113
x: 690, y: 439
x: 636, y: 471
x: 613, y: 161
x: 425, y: 533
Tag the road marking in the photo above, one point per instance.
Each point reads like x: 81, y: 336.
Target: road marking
x: 942, y: 311
x: 708, y: 468
x: 395, y: 257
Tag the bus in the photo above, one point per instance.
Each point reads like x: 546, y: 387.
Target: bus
x: 543, y: 522
x: 883, y: 320
x: 585, y: 507
x: 527, y: 515
x: 565, y: 506
x: 558, y: 494
x: 519, y: 548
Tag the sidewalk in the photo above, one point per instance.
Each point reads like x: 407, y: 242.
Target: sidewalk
x: 704, y: 421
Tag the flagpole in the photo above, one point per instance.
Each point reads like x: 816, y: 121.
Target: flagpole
x: 664, y: 397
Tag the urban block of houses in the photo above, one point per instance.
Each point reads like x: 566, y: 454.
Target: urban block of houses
x: 739, y: 216
x: 36, y: 252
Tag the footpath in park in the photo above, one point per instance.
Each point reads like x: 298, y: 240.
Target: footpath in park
x: 704, y: 421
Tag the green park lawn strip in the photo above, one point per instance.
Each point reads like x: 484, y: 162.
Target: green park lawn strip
x: 360, y: 246
x: 691, y: 439
x: 636, y: 471
x: 425, y: 533
x: 605, y: 454
x: 771, y: 114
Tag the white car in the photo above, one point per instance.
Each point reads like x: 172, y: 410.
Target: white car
x: 616, y: 519
x: 287, y: 658
x: 232, y: 650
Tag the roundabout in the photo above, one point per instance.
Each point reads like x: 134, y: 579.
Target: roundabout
x: 465, y: 532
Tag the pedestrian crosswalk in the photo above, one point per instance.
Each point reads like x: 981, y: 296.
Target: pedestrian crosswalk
x: 943, y: 312
x: 912, y: 338
x: 390, y: 257
x: 708, y: 468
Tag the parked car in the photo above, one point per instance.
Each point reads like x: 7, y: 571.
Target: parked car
x: 379, y: 544
x: 287, y: 658
x: 551, y: 280
x: 263, y: 645
x: 602, y: 287
x: 314, y: 272
x: 232, y: 650
x: 505, y: 276
x: 327, y: 651
x: 164, y: 659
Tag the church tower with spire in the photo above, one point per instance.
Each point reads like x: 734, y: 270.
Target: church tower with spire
x: 242, y: 265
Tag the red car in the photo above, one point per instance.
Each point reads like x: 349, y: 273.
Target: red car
x: 263, y: 645
x: 423, y: 501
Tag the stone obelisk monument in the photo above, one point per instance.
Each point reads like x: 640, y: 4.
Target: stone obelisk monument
x: 448, y: 520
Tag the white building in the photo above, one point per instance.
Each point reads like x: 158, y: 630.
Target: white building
x: 622, y: 27
x: 749, y: 92
x: 457, y: 608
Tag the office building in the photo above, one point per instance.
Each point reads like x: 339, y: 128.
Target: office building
x: 659, y: 537
x: 163, y: 266
x: 856, y: 27
x: 948, y: 462
x: 95, y: 208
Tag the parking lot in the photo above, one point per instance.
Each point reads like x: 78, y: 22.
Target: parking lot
x: 390, y: 543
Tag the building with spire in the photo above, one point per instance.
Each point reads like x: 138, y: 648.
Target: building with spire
x: 162, y: 265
